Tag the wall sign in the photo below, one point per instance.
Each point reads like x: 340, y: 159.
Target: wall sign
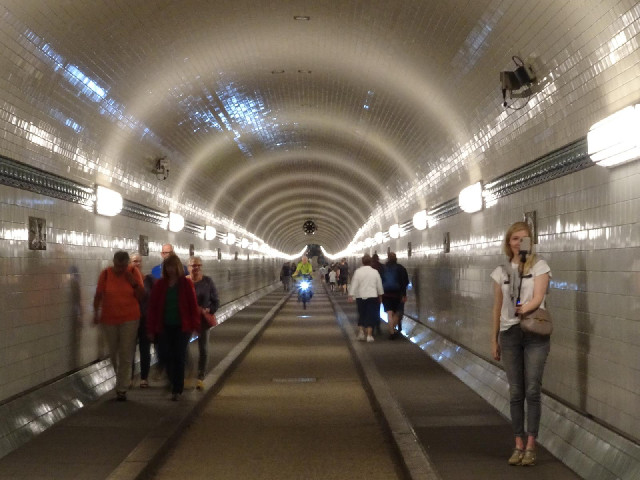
x: 37, y: 233
x: 143, y: 245
x: 530, y: 219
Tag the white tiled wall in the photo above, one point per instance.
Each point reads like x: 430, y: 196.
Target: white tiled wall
x: 589, y: 232
x: 588, y: 222
x: 46, y: 330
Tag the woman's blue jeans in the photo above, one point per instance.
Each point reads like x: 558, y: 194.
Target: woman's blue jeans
x: 523, y: 356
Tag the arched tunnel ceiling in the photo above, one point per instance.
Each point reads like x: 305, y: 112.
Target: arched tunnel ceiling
x: 269, y: 120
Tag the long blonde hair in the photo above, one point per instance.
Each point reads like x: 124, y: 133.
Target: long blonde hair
x: 531, y: 257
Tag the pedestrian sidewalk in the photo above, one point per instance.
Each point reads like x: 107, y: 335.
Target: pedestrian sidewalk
x: 463, y: 436
x: 117, y: 440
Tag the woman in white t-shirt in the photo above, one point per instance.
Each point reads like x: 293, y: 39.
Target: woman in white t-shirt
x: 523, y: 354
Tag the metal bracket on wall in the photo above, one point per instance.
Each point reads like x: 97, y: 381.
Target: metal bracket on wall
x: 25, y: 177
x: 556, y: 164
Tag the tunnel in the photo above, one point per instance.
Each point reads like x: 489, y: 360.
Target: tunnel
x: 252, y: 133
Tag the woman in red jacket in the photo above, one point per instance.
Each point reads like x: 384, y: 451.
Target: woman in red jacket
x: 173, y: 315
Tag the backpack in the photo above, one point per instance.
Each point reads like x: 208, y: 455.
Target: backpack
x: 391, y: 278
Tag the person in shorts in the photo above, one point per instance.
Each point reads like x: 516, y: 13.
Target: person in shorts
x: 394, y: 281
x: 343, y: 275
x: 332, y: 279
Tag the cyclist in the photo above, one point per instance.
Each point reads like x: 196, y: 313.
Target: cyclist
x: 304, y: 269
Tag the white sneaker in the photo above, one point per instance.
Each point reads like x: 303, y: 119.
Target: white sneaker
x: 360, y: 336
x: 369, y: 339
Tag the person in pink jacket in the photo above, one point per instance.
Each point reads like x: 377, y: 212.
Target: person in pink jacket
x: 173, y: 315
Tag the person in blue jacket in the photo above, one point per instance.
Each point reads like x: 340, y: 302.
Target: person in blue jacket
x: 167, y: 249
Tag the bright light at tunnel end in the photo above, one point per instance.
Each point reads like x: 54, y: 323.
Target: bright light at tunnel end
x: 350, y: 250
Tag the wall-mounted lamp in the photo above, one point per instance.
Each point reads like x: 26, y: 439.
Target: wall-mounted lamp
x: 244, y: 243
x: 523, y: 76
x: 420, y: 220
x: 231, y: 239
x: 108, y: 202
x: 176, y: 222
x: 210, y: 232
x: 470, y: 198
x: 394, y: 231
x: 616, y: 139
x: 378, y: 238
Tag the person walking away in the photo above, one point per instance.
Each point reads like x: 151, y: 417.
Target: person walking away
x: 343, y: 275
x: 208, y: 301
x: 332, y: 279
x: 116, y: 307
x: 376, y: 265
x: 322, y: 271
x: 173, y: 315
x: 523, y: 354
x: 394, y: 281
x: 144, y: 344
x: 285, y: 276
x: 366, y: 285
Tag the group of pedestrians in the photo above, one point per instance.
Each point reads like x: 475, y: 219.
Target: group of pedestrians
x: 519, y: 288
x: 374, y: 284
x: 336, y: 276
x: 166, y: 307
x: 169, y: 305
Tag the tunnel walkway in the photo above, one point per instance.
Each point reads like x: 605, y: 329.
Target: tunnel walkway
x: 464, y: 437
x: 294, y: 408
x: 303, y: 400
x: 118, y: 440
